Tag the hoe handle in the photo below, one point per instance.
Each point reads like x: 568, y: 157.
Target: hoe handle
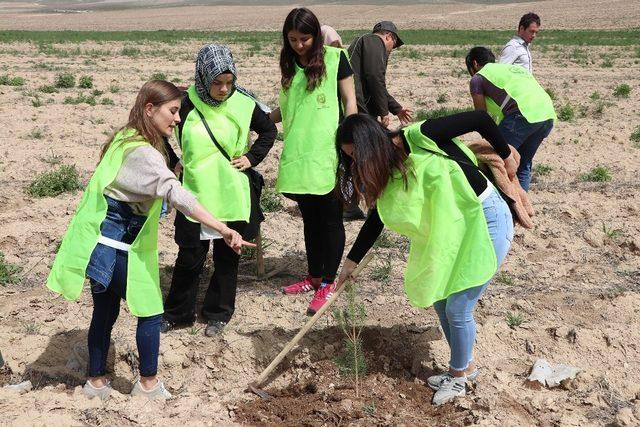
x: 287, y: 348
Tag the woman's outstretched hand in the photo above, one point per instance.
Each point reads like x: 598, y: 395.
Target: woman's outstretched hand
x: 234, y: 240
x: 347, y: 269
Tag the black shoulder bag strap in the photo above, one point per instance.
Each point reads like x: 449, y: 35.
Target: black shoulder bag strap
x: 213, y: 138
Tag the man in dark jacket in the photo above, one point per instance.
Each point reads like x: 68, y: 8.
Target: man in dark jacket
x: 369, y: 55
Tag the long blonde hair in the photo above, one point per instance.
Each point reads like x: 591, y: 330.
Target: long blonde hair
x: 156, y: 92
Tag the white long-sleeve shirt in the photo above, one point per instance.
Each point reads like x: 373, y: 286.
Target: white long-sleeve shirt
x: 516, y: 51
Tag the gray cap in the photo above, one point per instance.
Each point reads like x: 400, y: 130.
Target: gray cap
x: 391, y: 27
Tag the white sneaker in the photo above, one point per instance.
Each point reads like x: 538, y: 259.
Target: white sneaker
x: 158, y: 391
x: 450, y: 388
x: 91, y: 391
x: 435, y: 381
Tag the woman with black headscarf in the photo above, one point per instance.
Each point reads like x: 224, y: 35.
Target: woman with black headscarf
x: 217, y: 116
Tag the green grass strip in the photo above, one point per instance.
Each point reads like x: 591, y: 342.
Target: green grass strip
x: 629, y: 37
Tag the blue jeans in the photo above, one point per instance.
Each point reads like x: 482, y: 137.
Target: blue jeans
x: 107, y: 272
x: 456, y: 312
x: 526, y: 138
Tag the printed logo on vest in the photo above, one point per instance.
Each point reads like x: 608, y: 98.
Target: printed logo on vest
x: 321, y: 100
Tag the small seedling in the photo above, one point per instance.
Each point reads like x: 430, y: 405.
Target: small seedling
x: 270, y: 200
x: 85, y: 82
x: 370, y: 409
x: 130, y: 51
x: 8, y: 272
x: 610, y: 232
x: 31, y: 328
x: 97, y: 92
x: 280, y: 136
x: 622, y: 91
x: 114, y: 88
x: 607, y: 63
x: 36, y: 133
x: 351, y: 319
x: 385, y: 240
x: 504, y: 278
x: 107, y: 101
x: 36, y: 102
x: 566, y: 113
x: 595, y: 96
x: 597, y: 174
x: 542, y: 169
x: 442, y: 98
x: 50, y: 184
x: 53, y: 159
x: 382, y: 271
x: 194, y: 330
x: 514, y: 319
x: 65, y: 80
x: 80, y: 99
x: 158, y: 76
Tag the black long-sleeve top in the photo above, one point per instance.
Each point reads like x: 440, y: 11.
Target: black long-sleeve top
x: 441, y: 131
x: 260, y: 124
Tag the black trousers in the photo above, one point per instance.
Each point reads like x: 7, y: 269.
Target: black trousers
x: 220, y: 298
x: 323, y: 233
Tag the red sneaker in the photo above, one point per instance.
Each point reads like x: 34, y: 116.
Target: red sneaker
x: 305, y: 285
x: 321, y: 296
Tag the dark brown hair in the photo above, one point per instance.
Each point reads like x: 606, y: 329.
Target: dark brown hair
x: 156, y: 92
x: 304, y: 21
x: 528, y: 19
x: 374, y: 160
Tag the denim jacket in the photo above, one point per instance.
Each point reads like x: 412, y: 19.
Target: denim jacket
x: 120, y: 224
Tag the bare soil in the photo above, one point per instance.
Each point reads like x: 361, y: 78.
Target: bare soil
x: 574, y: 279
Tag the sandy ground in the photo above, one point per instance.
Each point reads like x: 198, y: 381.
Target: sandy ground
x: 268, y: 15
x: 574, y: 279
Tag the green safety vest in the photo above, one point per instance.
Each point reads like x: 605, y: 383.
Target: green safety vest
x: 67, y: 275
x: 221, y: 188
x: 451, y: 249
x: 309, y: 159
x: 533, y: 101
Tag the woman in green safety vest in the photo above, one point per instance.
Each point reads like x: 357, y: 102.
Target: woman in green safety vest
x: 317, y: 83
x: 426, y: 185
x: 513, y: 97
x: 113, y: 237
x: 215, y: 107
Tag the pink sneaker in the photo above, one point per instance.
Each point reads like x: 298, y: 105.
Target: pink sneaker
x: 321, y: 296
x: 305, y: 285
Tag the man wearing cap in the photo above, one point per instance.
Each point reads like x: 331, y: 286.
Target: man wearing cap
x: 369, y: 55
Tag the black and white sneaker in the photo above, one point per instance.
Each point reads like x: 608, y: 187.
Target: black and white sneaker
x: 435, y: 381
x: 450, y: 388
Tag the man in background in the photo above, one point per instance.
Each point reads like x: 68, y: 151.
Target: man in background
x: 516, y: 51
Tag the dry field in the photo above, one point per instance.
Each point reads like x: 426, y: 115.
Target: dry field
x: 569, y: 291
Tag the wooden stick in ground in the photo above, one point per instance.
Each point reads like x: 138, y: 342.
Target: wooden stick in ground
x: 287, y: 348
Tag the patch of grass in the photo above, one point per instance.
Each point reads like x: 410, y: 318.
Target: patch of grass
x: 438, y: 112
x: 158, y: 76
x: 442, y: 98
x: 566, y: 113
x: 385, y: 240
x: 595, y: 96
x: 607, y: 63
x: 65, y: 80
x: 130, y: 51
x: 52, y: 159
x: 97, y: 92
x: 7, y: 80
x: 85, y: 82
x: 8, y: 272
x: 107, y: 101
x: 622, y: 91
x: 31, y: 328
x: 381, y: 272
x: 80, y: 99
x: 280, y: 136
x: 551, y: 93
x: 53, y: 183
x: 410, y: 53
x: 542, y: 169
x: 597, y: 174
x: 113, y: 88
x: 635, y: 137
x: 270, y: 200
x: 438, y: 37
x: 514, y: 319
x: 37, y: 102
x: 370, y: 409
x: 48, y: 89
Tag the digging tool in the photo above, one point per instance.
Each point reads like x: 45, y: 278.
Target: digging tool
x: 254, y: 387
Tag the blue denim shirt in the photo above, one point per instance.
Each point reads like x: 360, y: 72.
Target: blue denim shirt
x: 120, y: 224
